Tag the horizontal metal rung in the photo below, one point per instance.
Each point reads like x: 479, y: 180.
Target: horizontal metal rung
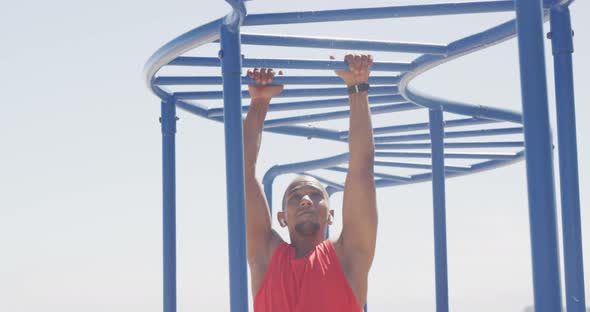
x: 378, y: 13
x: 308, y: 132
x: 505, y: 156
x: 338, y: 186
x: 213, y: 95
x: 392, y: 177
x: 418, y: 166
x: 299, y: 105
x: 381, y: 175
x: 292, y: 64
x: 425, y: 125
x: 307, y: 165
x: 455, y: 134
x: 375, y: 110
x: 279, y: 80
x: 398, y: 146
x: 342, y: 44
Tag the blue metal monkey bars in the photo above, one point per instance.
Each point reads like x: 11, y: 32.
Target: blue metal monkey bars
x: 391, y: 94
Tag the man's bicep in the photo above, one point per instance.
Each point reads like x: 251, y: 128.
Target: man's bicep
x: 359, y: 215
x: 260, y: 246
x: 258, y: 222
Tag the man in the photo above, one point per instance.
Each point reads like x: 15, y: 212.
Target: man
x: 313, y: 274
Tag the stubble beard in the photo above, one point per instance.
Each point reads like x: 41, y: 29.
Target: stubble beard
x: 307, y: 228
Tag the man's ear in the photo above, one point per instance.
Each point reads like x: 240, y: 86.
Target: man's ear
x: 331, y: 217
x: 281, y: 218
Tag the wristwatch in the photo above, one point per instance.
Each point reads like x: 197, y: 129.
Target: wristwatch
x: 361, y: 87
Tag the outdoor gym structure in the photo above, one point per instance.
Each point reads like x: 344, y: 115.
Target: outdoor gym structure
x: 391, y: 93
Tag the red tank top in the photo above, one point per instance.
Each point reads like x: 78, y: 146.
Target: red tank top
x: 314, y: 283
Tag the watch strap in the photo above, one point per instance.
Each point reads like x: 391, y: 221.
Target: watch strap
x: 361, y: 87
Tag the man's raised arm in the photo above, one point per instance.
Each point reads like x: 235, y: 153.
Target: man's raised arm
x: 359, y: 229
x: 259, y: 233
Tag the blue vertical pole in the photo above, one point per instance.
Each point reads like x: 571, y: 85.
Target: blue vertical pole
x: 267, y: 183
x: 231, y: 66
x: 327, y: 236
x: 539, y: 158
x: 168, y: 123
x: 268, y: 193
x: 440, y: 219
x: 563, y: 47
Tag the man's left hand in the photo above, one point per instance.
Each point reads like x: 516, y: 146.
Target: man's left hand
x: 359, y: 66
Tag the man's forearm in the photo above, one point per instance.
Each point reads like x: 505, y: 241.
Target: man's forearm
x: 359, y: 207
x: 258, y: 221
x: 360, y: 139
x: 253, y: 126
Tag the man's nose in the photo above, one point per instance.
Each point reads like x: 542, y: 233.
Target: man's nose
x: 305, y: 201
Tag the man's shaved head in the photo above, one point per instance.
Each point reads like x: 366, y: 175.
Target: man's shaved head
x: 306, y: 208
x: 300, y: 181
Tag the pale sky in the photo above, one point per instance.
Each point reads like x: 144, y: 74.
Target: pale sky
x: 80, y: 207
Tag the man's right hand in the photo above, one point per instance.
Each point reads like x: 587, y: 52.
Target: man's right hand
x: 263, y: 90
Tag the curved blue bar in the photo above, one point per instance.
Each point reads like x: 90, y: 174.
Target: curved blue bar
x: 194, y: 38
x: 458, y: 48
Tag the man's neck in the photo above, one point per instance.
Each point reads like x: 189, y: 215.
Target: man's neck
x: 304, y: 245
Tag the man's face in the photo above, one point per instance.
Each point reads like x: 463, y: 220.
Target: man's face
x: 305, y: 206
